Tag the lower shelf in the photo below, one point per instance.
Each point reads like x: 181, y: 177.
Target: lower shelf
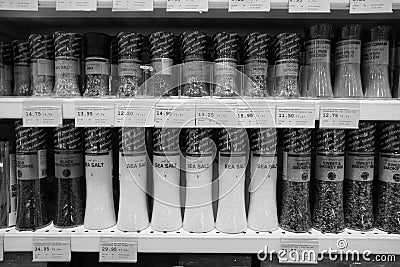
x: 181, y: 241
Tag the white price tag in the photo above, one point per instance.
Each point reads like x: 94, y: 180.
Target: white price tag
x: 174, y: 114
x: 39, y: 113
x: 301, y: 116
x: 76, y: 5
x: 1, y: 247
x: 19, y: 5
x: 187, y: 5
x: 249, y: 6
x: 371, y: 6
x: 133, y: 5
x: 134, y: 114
x: 309, y: 6
x: 93, y: 114
x: 256, y: 114
x: 339, y: 116
x: 219, y: 114
x: 300, y: 251
x: 51, y: 248
x: 118, y: 249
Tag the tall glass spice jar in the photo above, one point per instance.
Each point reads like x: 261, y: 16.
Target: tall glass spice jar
x: 347, y: 62
x: 22, y: 81
x: 166, y: 214
x: 130, y: 57
x: 6, y: 69
x: 296, y: 211
x: 256, y: 64
x: 32, y: 193
x: 388, y: 206
x: 225, y: 68
x: 233, y: 154
x: 359, y: 176
x: 97, y: 64
x: 69, y: 175
x: 42, y: 64
x: 99, y: 211
x: 375, y: 60
x: 328, y: 214
x: 263, y: 214
x: 162, y: 51
x: 318, y: 59
x: 68, y: 53
x: 195, y: 70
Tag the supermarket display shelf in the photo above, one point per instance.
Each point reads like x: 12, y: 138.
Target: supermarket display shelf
x: 181, y: 241
x: 374, y: 109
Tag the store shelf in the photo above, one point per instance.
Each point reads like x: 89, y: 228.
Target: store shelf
x: 181, y: 241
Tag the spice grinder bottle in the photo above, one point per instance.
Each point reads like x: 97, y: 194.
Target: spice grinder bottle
x: 199, y: 156
x: 263, y: 215
x: 233, y: 150
x: 32, y: 193
x: 225, y: 68
x: 22, y: 81
x: 42, y: 64
x: 68, y: 53
x: 69, y: 175
x: 296, y: 212
x: 166, y: 214
x: 6, y: 69
x: 375, y: 60
x: 359, y: 176
x: 97, y: 64
x: 388, y: 204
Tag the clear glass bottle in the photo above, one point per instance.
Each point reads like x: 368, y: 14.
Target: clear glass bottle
x: 225, y: 68
x: 68, y: 54
x: 97, y: 64
x: 375, y: 62
x: 22, y: 75
x: 42, y: 64
x: 6, y: 69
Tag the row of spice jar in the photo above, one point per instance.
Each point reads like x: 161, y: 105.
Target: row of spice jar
x: 327, y: 178
x: 285, y: 65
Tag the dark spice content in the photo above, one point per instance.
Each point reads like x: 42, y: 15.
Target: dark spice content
x: 68, y: 157
x: 32, y: 207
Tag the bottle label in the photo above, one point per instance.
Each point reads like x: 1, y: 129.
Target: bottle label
x: 67, y: 66
x: 198, y: 164
x: 13, y: 191
x: 98, y: 66
x: 263, y: 167
x: 376, y: 53
x: 329, y: 168
x: 98, y: 165
x: 31, y: 165
x: 252, y: 69
x: 233, y: 162
x: 296, y: 167
x: 225, y: 68
x: 360, y: 166
x: 129, y: 69
x: 21, y: 72
x: 348, y: 51
x: 162, y: 65
x: 287, y: 67
x: 6, y: 72
x: 318, y: 51
x: 194, y: 69
x: 68, y: 164
x: 132, y: 167
x: 389, y: 168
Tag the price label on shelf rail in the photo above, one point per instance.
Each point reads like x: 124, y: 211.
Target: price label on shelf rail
x: 40, y: 113
x: 371, y: 6
x: 137, y: 114
x: 298, y: 251
x: 93, y: 114
x: 51, y: 249
x: 187, y: 5
x: 174, y: 114
x: 76, y: 5
x: 218, y: 114
x: 309, y: 6
x: 339, y: 116
x: 249, y: 6
x: 19, y: 5
x: 300, y: 116
x: 132, y: 5
x: 256, y: 114
x: 1, y: 247
x: 118, y: 249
